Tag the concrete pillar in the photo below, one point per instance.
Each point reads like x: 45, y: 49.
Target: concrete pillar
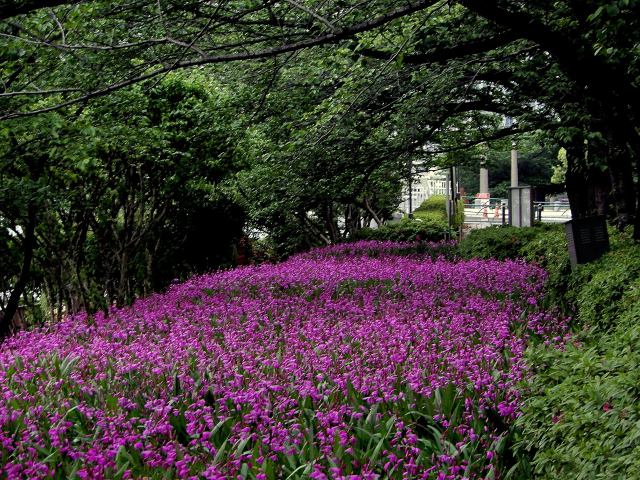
x: 514, y: 165
x: 484, y: 180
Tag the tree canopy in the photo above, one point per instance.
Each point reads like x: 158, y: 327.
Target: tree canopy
x: 123, y: 124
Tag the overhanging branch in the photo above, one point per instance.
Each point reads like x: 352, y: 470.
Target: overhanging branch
x: 326, y: 39
x: 475, y: 46
x: 12, y: 8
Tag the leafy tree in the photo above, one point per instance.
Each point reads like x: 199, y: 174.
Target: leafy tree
x: 568, y: 68
x: 336, y: 102
x: 315, y: 175
x: 120, y: 200
x: 536, y: 161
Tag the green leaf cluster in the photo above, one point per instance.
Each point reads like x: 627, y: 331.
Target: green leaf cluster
x: 580, y: 417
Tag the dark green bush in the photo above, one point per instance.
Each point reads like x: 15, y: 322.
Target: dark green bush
x: 436, y: 205
x: 544, y: 244
x: 605, y: 290
x: 406, y: 230
x: 496, y: 242
x: 581, y: 415
x: 596, y: 294
x: 548, y: 248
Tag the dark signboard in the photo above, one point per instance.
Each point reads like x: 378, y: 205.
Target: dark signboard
x: 587, y: 239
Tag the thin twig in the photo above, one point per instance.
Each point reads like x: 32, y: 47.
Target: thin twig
x: 315, y: 15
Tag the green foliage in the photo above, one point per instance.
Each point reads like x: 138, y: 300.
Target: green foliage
x: 315, y: 175
x: 599, y: 295
x: 496, y: 242
x: 548, y: 248
x: 606, y: 292
x: 127, y: 195
x: 559, y: 175
x: 435, y: 205
x: 425, y: 229
x: 581, y: 417
x: 458, y: 219
x: 434, y: 210
x: 543, y: 244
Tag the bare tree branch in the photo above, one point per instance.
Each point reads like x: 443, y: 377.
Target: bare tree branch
x: 39, y: 92
x: 315, y: 15
x: 326, y: 39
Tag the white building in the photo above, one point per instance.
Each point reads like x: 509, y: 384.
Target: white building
x: 426, y: 184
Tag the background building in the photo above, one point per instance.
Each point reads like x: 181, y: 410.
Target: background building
x: 424, y: 185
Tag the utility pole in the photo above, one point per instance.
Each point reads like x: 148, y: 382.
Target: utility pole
x: 448, y: 204
x: 453, y: 210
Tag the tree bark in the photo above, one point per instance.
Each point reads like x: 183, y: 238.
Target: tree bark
x: 375, y: 217
x: 624, y: 191
x: 588, y: 185
x: 11, y: 8
x: 25, y: 272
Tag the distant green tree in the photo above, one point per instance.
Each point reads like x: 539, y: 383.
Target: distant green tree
x: 536, y: 162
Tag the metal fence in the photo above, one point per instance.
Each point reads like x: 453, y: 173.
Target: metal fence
x: 495, y: 211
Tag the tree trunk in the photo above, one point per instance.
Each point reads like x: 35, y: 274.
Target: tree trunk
x: 624, y: 191
x: 636, y: 225
x: 588, y: 185
x: 375, y: 217
x: 575, y: 186
x: 122, y: 286
x: 79, y: 245
x: 330, y: 223
x: 25, y: 272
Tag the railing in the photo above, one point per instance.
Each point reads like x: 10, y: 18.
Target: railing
x: 490, y: 211
x: 493, y: 211
x: 552, y: 211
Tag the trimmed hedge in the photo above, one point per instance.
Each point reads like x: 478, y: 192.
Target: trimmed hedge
x: 406, y: 231
x: 434, y: 208
x: 496, y: 242
x: 543, y: 244
x: 606, y: 291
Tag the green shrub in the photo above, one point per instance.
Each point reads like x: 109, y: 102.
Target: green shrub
x: 582, y: 416
x: 548, y: 248
x: 547, y: 245
x: 543, y: 244
x: 604, y: 290
x: 458, y: 220
x: 597, y: 294
x: 496, y: 242
x: 434, y: 208
x: 436, y: 204
x: 406, y: 230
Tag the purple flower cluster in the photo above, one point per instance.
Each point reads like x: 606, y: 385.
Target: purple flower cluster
x: 325, y: 366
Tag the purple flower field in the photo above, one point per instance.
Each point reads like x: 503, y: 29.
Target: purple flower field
x: 345, y: 363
